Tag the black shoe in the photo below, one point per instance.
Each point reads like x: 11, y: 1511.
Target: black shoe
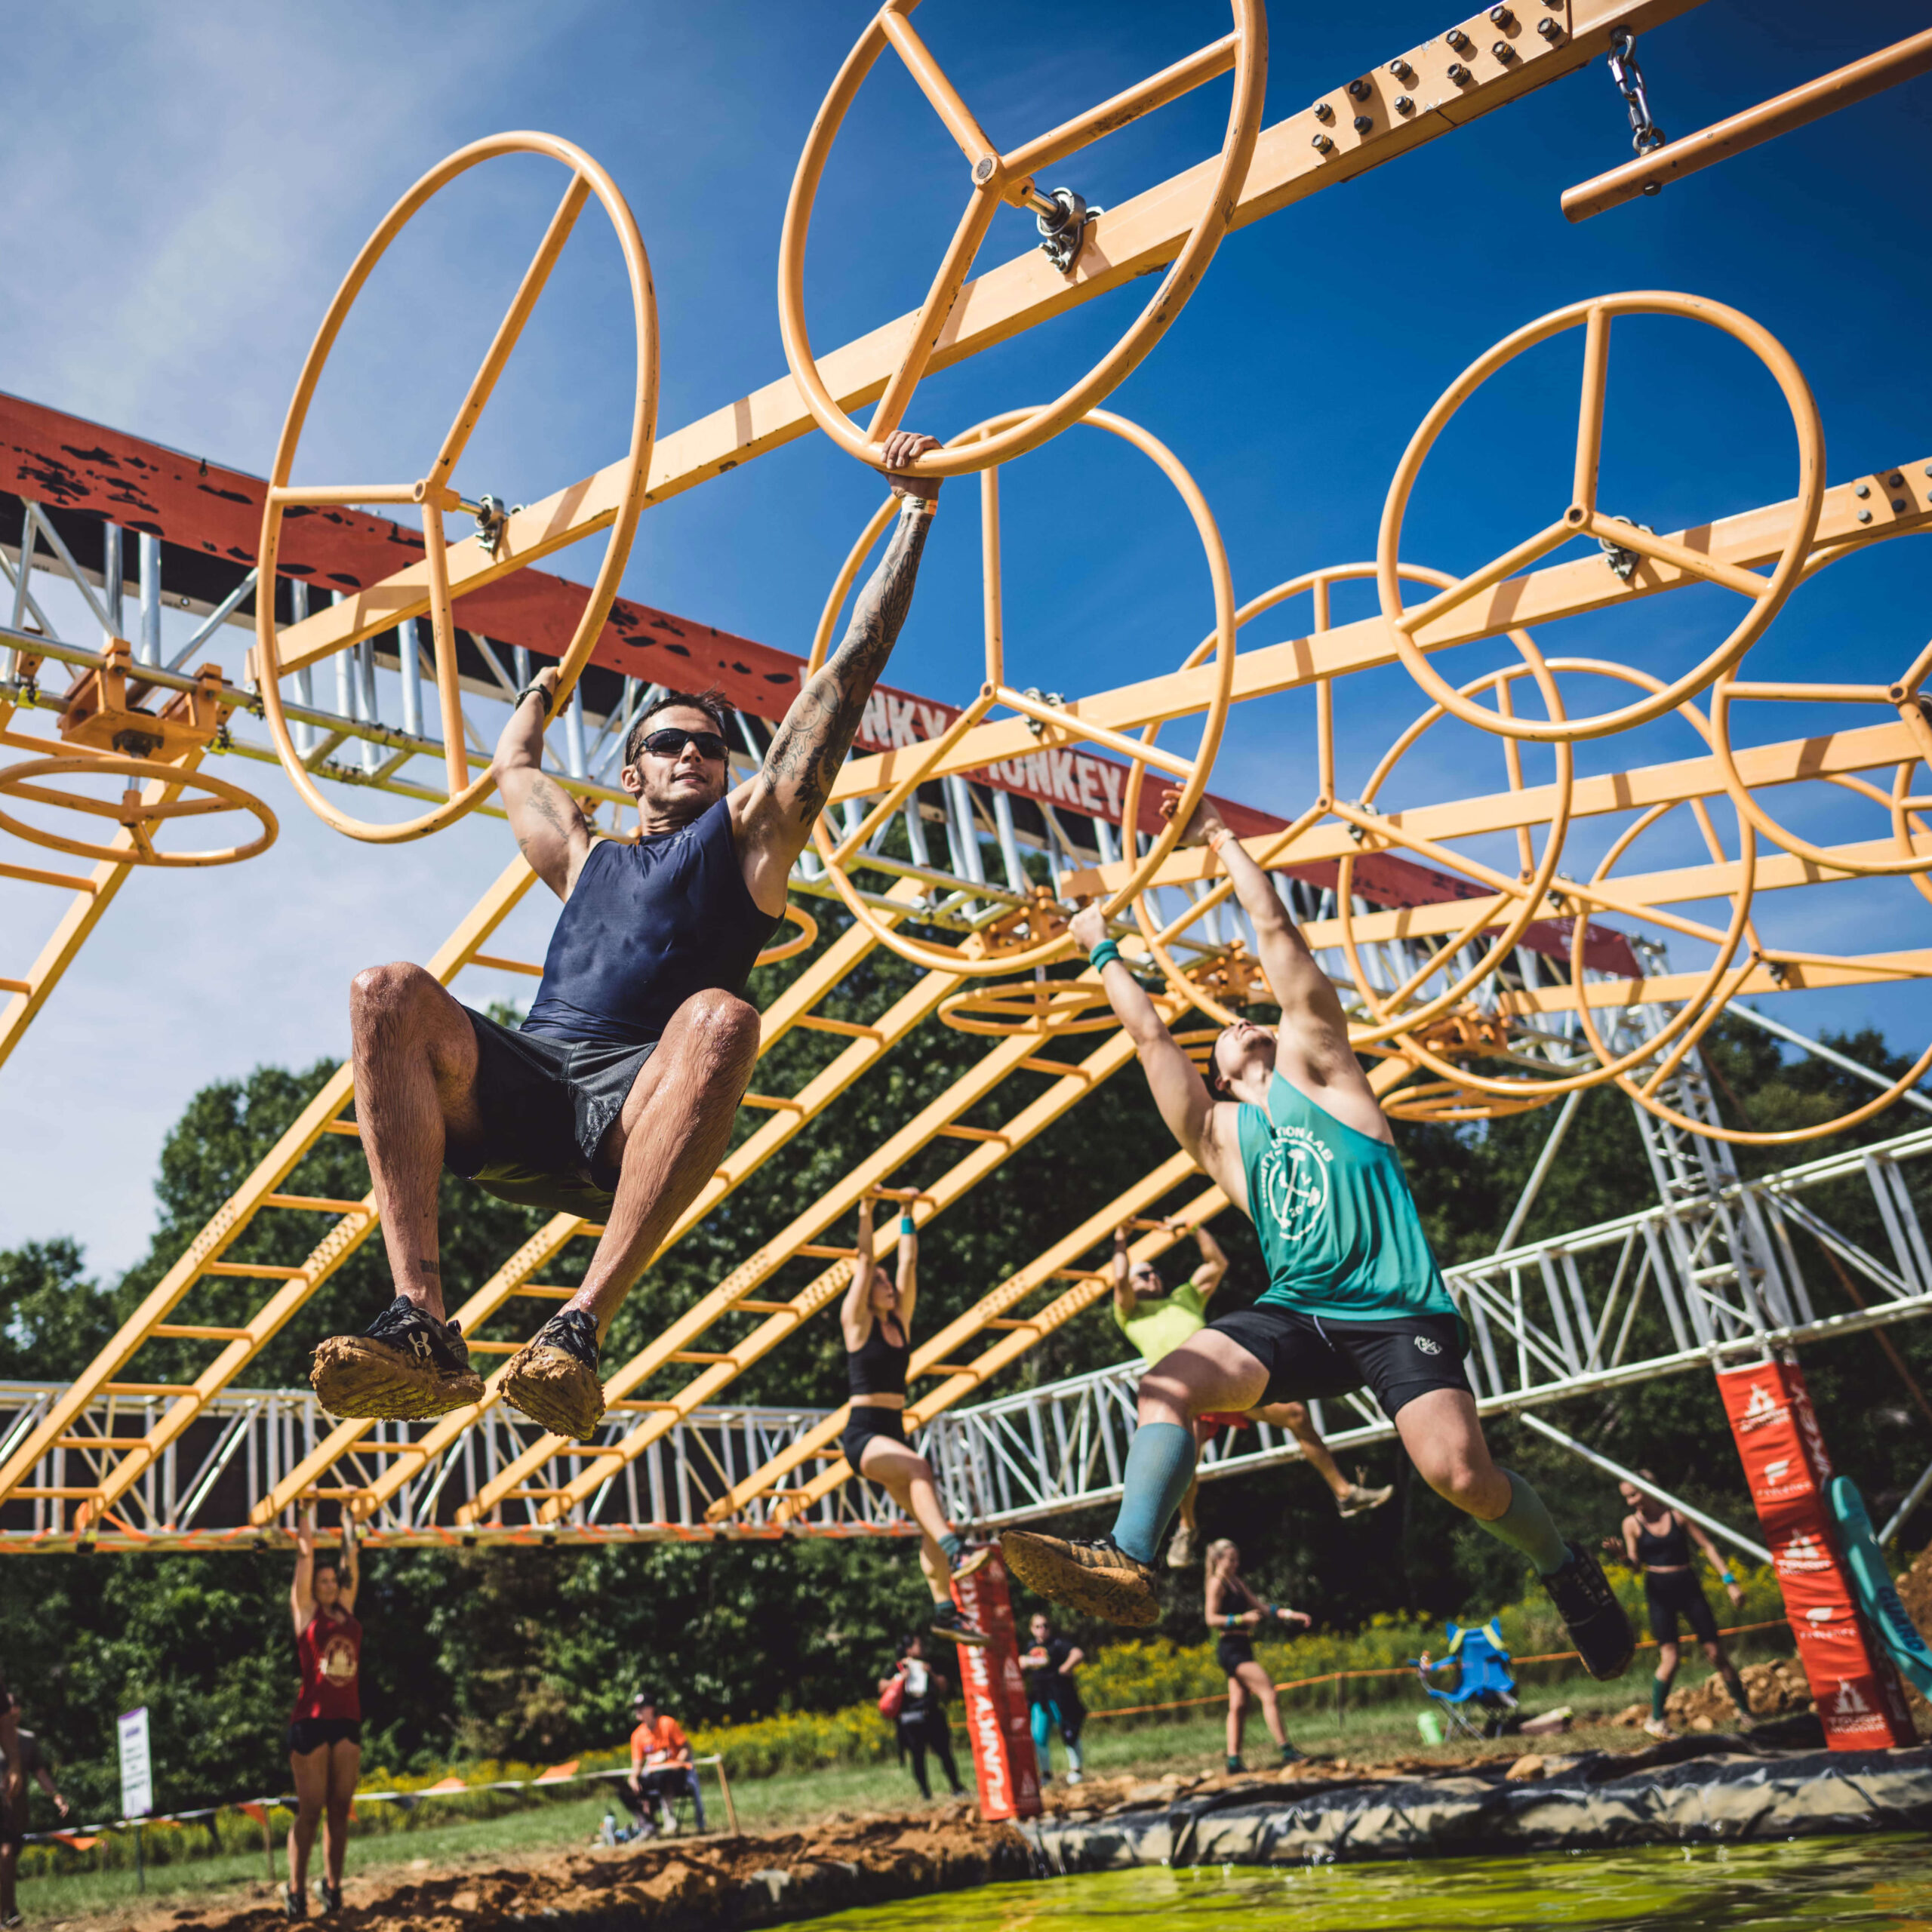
x: 949, y: 1621
x: 554, y: 1378
x: 1096, y: 1577
x: 1235, y: 1764
x: 406, y: 1367
x: 1591, y: 1614
x: 330, y: 1896
x: 293, y: 1903
x: 1290, y: 1755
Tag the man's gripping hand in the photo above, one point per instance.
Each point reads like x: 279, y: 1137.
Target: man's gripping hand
x: 1088, y: 926
x: 1201, y: 827
x: 902, y: 448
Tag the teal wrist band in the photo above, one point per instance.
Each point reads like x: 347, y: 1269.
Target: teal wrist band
x: 1103, y: 955
x: 907, y: 1226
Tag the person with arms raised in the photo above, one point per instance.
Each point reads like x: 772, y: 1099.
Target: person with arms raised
x: 1293, y: 1134
x: 615, y: 1098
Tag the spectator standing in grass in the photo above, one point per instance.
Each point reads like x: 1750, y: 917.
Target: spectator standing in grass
x: 325, y: 1729
x: 920, y: 1714
x: 1053, y: 1695
x: 1236, y: 1612
x: 661, y: 1770
x: 19, y: 1760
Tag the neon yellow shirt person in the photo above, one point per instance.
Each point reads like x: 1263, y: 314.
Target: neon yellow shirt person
x: 1156, y: 1322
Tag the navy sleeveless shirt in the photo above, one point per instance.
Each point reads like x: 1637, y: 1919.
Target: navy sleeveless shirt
x: 646, y: 926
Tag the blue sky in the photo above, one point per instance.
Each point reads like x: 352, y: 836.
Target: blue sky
x: 189, y: 185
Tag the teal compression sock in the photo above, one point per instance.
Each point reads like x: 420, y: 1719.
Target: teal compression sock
x: 1160, y: 1466
x: 1660, y: 1691
x: 1526, y: 1525
x: 954, y: 1545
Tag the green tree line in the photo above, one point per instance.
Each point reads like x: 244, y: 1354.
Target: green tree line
x: 533, y: 1654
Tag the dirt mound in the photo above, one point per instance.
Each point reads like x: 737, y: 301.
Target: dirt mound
x: 715, y: 1883
x: 1775, y: 1690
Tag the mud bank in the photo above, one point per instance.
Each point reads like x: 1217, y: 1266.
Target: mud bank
x: 1689, y: 1792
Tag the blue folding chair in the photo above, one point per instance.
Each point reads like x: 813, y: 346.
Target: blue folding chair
x: 1484, y: 1680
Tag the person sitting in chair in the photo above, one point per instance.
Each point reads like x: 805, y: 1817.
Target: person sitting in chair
x: 661, y: 1770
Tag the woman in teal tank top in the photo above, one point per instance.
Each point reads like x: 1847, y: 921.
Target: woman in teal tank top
x: 1295, y: 1137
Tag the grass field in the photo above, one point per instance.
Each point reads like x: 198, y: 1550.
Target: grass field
x: 1363, y: 1734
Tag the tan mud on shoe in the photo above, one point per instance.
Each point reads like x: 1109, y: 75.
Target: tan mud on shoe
x: 554, y: 1377
x: 1361, y: 1499
x: 406, y: 1367
x: 1098, y: 1578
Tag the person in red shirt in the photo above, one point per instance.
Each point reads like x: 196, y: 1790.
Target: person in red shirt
x: 325, y: 1729
x: 661, y: 1769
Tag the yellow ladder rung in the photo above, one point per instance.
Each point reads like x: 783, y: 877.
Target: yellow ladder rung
x: 116, y: 1442
x: 477, y: 1348
x: 51, y: 1494
x: 701, y: 1355
x: 970, y: 1134
x: 315, y: 1204
x: 352, y: 1128
x: 263, y: 1271
x: 765, y: 1307
x: 546, y: 1294
x: 947, y: 1368
x: 15, y: 985
x: 1059, y: 1069
x: 1004, y: 1322
x: 145, y: 1388
x: 770, y: 1100
x: 503, y: 965
x: 817, y: 1023
x: 814, y: 1251
x: 637, y: 1405
x: 197, y: 1331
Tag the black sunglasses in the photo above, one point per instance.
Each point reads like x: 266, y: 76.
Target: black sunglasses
x: 671, y: 739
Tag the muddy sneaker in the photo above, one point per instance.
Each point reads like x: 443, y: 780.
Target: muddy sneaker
x: 1290, y: 1755
x: 406, y: 1367
x: 1235, y: 1765
x: 949, y: 1621
x: 1591, y: 1614
x: 553, y: 1378
x: 293, y: 1903
x: 1359, y: 1500
x: 1180, y: 1551
x: 330, y: 1896
x: 1098, y: 1578
x: 973, y: 1562
x: 1657, y: 1727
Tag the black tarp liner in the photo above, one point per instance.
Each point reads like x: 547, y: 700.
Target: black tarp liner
x: 1593, y: 1804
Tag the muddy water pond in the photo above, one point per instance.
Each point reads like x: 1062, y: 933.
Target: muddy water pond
x: 1804, y: 1885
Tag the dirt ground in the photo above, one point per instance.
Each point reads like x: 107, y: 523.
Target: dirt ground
x: 747, y: 1880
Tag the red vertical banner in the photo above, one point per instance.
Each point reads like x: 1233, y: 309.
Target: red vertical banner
x: 997, y: 1719
x: 1854, y: 1684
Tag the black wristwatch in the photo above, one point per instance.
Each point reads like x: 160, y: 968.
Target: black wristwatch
x: 537, y: 690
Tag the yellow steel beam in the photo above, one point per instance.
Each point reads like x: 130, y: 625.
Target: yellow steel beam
x: 227, y: 1224
x: 1558, y: 590
x: 1143, y: 233
x: 1798, y: 976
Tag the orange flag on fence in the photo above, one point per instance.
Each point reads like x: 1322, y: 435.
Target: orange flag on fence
x: 259, y: 1812
x: 73, y: 1841
x: 556, y: 1772
x: 446, y: 1785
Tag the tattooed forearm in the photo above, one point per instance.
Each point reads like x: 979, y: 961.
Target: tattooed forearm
x: 811, y: 745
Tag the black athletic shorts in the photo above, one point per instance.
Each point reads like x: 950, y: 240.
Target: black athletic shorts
x: 547, y: 1105
x: 1310, y: 1358
x: 1234, y: 1649
x: 866, y: 1423
x: 307, y: 1734
x: 1671, y: 1594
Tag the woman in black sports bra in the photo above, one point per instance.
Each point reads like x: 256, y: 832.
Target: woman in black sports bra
x: 877, y: 1318
x: 1657, y: 1540
x: 1236, y: 1612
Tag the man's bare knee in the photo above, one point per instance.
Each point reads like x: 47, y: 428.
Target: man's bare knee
x: 725, y: 1028
x: 382, y: 993
x: 1161, y: 1395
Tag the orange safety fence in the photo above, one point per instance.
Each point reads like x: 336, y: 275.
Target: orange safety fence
x: 1396, y: 1670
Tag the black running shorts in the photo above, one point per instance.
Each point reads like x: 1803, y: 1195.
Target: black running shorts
x: 1309, y: 1359
x: 547, y: 1105
x: 1233, y: 1649
x: 307, y: 1734
x: 868, y: 1420
x: 1670, y: 1594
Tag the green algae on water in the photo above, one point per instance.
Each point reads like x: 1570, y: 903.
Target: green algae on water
x: 1802, y: 1885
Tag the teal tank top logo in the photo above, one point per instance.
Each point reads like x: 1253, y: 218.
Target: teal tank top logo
x: 1337, y: 1224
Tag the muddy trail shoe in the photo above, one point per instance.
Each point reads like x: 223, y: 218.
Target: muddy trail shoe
x: 948, y: 1620
x: 1359, y: 1499
x: 293, y: 1905
x: 406, y: 1367
x: 1098, y: 1578
x: 1180, y: 1551
x: 553, y: 1378
x: 1591, y: 1614
x: 972, y: 1562
x: 1290, y: 1755
x: 330, y: 1896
